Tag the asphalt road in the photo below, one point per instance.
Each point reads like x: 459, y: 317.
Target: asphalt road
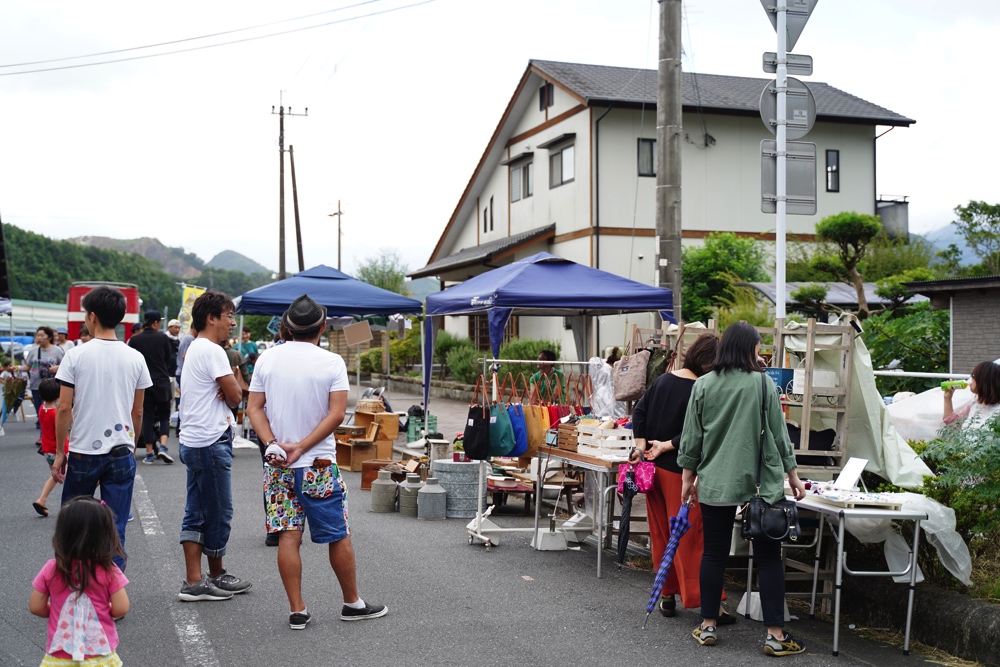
x: 449, y: 603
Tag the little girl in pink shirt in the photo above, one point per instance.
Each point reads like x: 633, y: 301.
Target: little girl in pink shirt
x: 81, y: 591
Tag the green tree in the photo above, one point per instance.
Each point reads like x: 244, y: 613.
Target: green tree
x: 850, y: 232
x: 916, y: 339
x: 887, y: 256
x: 704, y: 268
x: 949, y: 264
x: 233, y: 283
x: 893, y: 289
x: 386, y: 271
x: 979, y: 225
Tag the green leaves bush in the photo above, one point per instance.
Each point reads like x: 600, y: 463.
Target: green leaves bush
x: 917, y: 339
x: 371, y: 361
x: 525, y: 349
x: 462, y: 364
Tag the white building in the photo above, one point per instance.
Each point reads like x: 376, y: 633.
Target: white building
x: 570, y: 169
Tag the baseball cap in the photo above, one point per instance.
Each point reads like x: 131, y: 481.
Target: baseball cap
x: 153, y: 316
x: 174, y: 323
x: 62, y: 330
x: 136, y: 327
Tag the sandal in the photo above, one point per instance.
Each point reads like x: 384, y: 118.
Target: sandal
x: 41, y: 509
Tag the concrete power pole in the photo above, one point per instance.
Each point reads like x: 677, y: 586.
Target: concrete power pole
x: 668, y: 152
x: 339, y: 215
x: 295, y: 206
x: 281, y: 113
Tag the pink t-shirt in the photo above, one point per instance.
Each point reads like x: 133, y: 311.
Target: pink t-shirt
x: 102, y: 587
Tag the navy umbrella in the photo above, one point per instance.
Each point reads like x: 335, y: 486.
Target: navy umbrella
x: 629, y: 489
x: 678, y: 526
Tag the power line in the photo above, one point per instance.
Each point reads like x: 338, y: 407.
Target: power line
x: 210, y: 46
x: 189, y: 39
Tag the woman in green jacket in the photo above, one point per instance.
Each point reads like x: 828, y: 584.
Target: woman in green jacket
x: 720, y: 447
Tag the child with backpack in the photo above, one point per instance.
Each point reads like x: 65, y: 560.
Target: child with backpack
x: 81, y: 591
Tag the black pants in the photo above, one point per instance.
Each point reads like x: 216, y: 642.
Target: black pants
x: 718, y: 526
x: 155, y: 415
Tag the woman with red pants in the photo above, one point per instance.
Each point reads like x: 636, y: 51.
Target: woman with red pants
x: 657, y: 421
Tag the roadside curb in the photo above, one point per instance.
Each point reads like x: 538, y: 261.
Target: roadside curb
x: 955, y: 623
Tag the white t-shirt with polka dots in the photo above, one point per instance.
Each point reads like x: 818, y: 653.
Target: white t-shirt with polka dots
x: 105, y: 375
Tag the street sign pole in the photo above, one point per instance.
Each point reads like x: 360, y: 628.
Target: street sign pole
x: 781, y: 135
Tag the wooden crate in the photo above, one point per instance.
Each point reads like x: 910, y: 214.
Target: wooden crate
x: 383, y: 448
x: 606, y: 438
x: 388, y: 422
x: 345, y: 433
x: 369, y: 471
x: 352, y: 454
x: 566, y: 437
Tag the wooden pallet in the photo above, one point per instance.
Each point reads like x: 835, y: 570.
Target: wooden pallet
x: 859, y: 504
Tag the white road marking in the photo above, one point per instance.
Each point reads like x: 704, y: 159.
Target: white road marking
x: 195, y: 645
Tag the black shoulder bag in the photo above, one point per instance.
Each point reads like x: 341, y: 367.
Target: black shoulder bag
x: 776, y: 522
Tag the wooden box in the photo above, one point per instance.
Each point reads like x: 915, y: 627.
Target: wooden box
x: 369, y: 471
x: 388, y: 422
x: 345, y: 433
x: 352, y: 454
x: 383, y: 448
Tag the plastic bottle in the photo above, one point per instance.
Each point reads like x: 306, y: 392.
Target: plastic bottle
x: 954, y: 384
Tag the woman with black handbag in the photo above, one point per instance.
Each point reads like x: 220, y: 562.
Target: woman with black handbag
x: 734, y: 435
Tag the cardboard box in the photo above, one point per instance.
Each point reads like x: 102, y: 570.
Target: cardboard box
x: 387, y: 421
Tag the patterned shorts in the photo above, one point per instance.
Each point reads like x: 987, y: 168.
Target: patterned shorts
x: 294, y: 496
x: 110, y: 660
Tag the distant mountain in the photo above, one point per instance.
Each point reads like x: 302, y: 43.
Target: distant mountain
x: 230, y: 260
x: 945, y: 236
x: 174, y: 261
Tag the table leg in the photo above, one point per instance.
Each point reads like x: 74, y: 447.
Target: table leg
x: 600, y: 520
x: 746, y: 609
x: 913, y: 584
x: 816, y: 559
x: 838, y: 581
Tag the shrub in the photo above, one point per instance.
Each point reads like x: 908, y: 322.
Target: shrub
x: 525, y: 349
x: 462, y: 364
x: 405, y: 351
x: 917, y: 340
x: 371, y: 361
x: 445, y: 342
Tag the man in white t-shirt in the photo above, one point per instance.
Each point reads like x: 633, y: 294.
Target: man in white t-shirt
x: 298, y: 397
x: 103, y: 384
x: 206, y: 449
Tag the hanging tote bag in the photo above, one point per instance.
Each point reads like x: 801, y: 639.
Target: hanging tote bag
x: 584, y: 390
x: 501, y: 431
x: 629, y: 373
x: 533, y: 420
x: 515, y: 410
x: 476, y: 440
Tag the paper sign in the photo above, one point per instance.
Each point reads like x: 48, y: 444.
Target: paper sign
x: 358, y: 333
x: 849, y: 476
x: 274, y: 325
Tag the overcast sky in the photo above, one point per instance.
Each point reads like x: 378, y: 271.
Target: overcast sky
x: 401, y: 105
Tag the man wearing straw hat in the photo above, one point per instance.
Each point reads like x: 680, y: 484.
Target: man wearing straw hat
x: 304, y: 389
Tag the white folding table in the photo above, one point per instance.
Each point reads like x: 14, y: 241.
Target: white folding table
x: 840, y: 516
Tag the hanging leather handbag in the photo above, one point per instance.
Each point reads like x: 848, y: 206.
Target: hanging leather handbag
x: 476, y: 440
x: 777, y: 521
x: 629, y: 374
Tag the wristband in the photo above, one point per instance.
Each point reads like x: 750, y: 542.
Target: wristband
x: 270, y: 442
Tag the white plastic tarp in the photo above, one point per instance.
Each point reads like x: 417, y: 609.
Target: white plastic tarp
x: 871, y: 434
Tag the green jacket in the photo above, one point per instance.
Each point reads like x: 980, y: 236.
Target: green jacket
x: 721, y: 436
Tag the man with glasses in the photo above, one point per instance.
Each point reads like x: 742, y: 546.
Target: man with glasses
x: 206, y: 448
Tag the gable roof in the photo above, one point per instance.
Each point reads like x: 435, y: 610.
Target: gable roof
x: 601, y: 85
x: 480, y: 254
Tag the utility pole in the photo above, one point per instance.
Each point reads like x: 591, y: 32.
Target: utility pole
x: 668, y: 152
x: 339, y: 213
x: 281, y: 113
x: 295, y: 206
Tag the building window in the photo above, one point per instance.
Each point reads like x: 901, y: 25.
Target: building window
x: 479, y: 331
x: 520, y: 181
x: 647, y: 157
x: 491, y: 214
x: 546, y: 96
x: 486, y: 220
x: 561, y: 169
x: 833, y: 171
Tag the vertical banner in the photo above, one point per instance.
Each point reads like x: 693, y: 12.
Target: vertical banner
x: 188, y: 297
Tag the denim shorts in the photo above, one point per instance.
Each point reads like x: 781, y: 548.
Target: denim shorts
x: 208, y: 511
x: 294, y: 496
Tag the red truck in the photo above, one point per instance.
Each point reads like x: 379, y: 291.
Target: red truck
x: 75, y: 310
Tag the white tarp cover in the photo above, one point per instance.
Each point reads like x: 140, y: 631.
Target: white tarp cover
x: 870, y: 432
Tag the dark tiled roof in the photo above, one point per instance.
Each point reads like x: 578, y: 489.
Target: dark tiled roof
x: 837, y: 294
x: 954, y: 284
x: 480, y: 253
x: 626, y: 85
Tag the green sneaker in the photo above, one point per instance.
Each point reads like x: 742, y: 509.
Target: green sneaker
x: 780, y: 647
x: 704, y: 636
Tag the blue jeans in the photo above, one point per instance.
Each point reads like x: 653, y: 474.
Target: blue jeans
x: 208, y: 511
x: 114, y: 474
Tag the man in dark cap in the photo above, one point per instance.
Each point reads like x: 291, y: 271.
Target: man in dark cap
x: 158, y: 351
x: 304, y: 389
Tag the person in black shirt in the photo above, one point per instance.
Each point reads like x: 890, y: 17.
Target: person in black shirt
x: 158, y: 351
x: 657, y: 422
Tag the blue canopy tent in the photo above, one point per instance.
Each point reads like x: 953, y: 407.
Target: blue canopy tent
x: 340, y: 293
x: 541, y: 285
